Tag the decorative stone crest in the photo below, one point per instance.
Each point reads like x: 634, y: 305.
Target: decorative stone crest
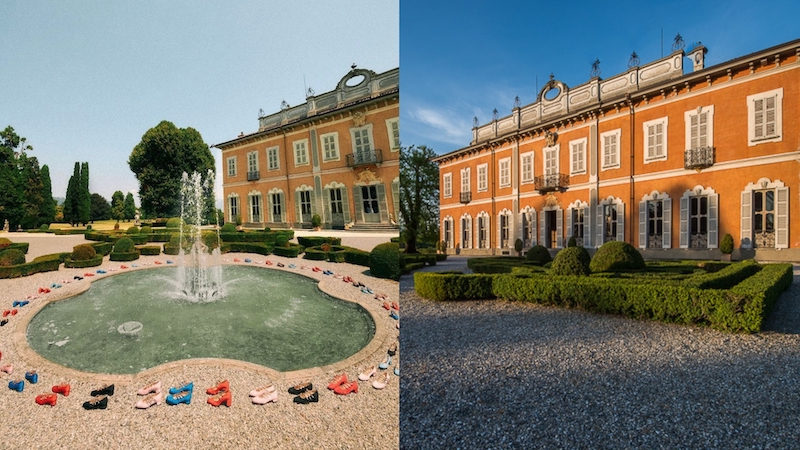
x: 359, y: 119
x: 550, y: 137
x: 366, y: 176
x: 551, y: 200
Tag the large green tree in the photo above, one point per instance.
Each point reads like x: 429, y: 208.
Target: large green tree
x: 419, y: 194
x: 12, y: 193
x: 101, y: 210
x: 118, y: 205
x: 129, y: 207
x: 48, y: 210
x: 71, y: 214
x: 84, y: 197
x: 160, y: 159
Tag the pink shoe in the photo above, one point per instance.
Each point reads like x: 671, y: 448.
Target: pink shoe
x: 263, y: 390
x: 8, y: 368
x: 265, y: 398
x: 382, y: 381
x: 152, y: 387
x: 150, y: 400
x: 368, y: 373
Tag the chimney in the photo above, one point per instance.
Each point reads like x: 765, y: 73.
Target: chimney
x: 697, y: 55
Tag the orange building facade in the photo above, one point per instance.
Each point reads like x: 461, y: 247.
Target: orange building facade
x: 667, y: 161
x: 336, y: 156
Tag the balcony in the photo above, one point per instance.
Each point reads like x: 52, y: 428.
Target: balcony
x: 551, y: 182
x: 365, y: 157
x: 698, y: 158
x: 253, y: 176
x: 466, y: 197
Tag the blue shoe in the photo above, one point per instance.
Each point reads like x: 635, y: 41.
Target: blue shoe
x: 134, y: 265
x: 248, y: 260
x: 181, y: 397
x: 386, y: 363
x: 23, y: 303
x: 394, y: 315
x: 189, y: 387
x: 18, y: 385
x: 292, y: 266
x: 101, y: 271
x: 15, y: 304
x: 169, y: 261
x: 397, y: 371
x: 32, y: 376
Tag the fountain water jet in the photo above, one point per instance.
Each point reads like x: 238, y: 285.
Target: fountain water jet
x: 199, y: 271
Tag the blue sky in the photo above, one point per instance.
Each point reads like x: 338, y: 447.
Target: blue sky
x: 464, y: 61
x: 84, y: 80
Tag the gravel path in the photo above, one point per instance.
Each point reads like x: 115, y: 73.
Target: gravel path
x: 498, y: 374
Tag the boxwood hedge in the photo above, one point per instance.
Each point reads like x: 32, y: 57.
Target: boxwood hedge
x: 44, y: 263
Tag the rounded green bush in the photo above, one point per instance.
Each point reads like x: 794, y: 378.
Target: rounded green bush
x: 228, y: 228
x: 613, y: 256
x: 124, y: 245
x: 132, y: 230
x: 384, y: 261
x: 12, y: 257
x: 146, y: 230
x: 571, y: 261
x: 44, y: 226
x: 83, y: 252
x: 726, y: 244
x: 282, y: 240
x: 316, y: 220
x: 518, y: 244
x: 572, y: 242
x: 539, y: 255
x: 4, y: 243
x: 174, y: 222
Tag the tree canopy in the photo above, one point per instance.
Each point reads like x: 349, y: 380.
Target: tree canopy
x: 78, y: 203
x: 101, y: 210
x: 118, y: 205
x: 25, y: 194
x: 419, y: 194
x: 160, y: 159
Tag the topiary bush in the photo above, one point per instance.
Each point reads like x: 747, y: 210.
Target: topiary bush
x: 146, y: 230
x: 4, y: 243
x: 726, y: 244
x: 316, y: 220
x: 572, y: 242
x: 174, y: 222
x: 615, y: 256
x: 46, y: 226
x: 282, y: 240
x: 384, y: 261
x: 83, y: 252
x: 228, y: 228
x: 124, y: 245
x: 518, y: 244
x: 132, y: 230
x: 12, y: 257
x: 539, y: 255
x: 571, y: 261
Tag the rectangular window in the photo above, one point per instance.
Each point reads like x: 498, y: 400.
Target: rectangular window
x: 611, y: 143
x: 305, y: 202
x: 361, y: 140
x: 505, y: 231
x: 483, y: 169
x: 448, y: 233
x: 393, y: 127
x: 252, y: 162
x: 577, y: 225
x: 609, y: 223
x: 330, y: 146
x: 232, y: 166
x: 655, y: 140
x: 255, y: 208
x: 551, y: 160
x: 273, y: 159
x: 447, y: 182
x: 233, y: 208
x: 698, y: 222
x: 276, y: 207
x: 578, y: 156
x: 764, y: 117
x: 301, y: 153
x: 527, y: 167
x: 505, y: 172
x: 655, y: 224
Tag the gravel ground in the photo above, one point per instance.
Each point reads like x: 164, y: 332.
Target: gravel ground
x: 498, y: 374
x: 368, y: 419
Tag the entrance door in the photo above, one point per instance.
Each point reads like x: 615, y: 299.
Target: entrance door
x: 337, y: 209
x: 369, y: 197
x: 550, y: 229
x: 305, y: 206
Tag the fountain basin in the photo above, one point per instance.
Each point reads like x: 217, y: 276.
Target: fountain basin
x: 272, y: 318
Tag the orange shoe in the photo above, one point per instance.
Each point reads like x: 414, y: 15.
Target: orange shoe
x: 395, y: 306
x: 338, y: 381
x: 47, y: 399
x: 386, y: 306
x: 222, y: 386
x: 346, y: 388
x: 62, y: 389
x: 225, y: 398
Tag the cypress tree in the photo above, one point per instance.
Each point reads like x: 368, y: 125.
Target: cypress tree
x: 85, y: 197
x: 71, y: 201
x: 129, y: 207
x: 117, y: 206
x: 47, y: 211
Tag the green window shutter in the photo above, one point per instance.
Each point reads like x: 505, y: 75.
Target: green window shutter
x: 359, y: 203
x: 346, y: 205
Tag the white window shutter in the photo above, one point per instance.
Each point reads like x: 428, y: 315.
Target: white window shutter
x: 642, y: 224
x: 499, y: 240
x: 541, y: 228
x: 621, y: 222
x: 569, y: 223
x: 533, y: 227
x: 599, y: 241
x: 684, y: 222
x: 782, y: 217
x: 298, y: 211
x: 667, y: 223
x: 345, y: 204
x: 713, y: 223
x: 587, y: 220
x: 559, y: 228
x: 283, y: 207
x: 745, y: 225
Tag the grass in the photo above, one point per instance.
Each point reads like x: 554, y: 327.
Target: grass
x: 99, y: 225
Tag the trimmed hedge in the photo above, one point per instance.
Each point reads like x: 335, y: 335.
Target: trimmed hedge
x: 497, y: 264
x: 247, y: 247
x: 124, y: 245
x: 410, y: 267
x: 228, y: 228
x: 123, y: 256
x: 450, y: 286
x: 316, y: 241
x: 571, y: 261
x: 71, y: 263
x: 615, y: 256
x: 726, y: 278
x: 290, y: 252
x: 150, y: 250
x: 384, y: 261
x: 83, y: 252
x: 356, y: 256
x: 538, y: 255
x: 44, y: 263
x: 21, y: 246
x: 69, y: 232
x: 315, y: 254
x: 103, y: 248
x: 11, y: 257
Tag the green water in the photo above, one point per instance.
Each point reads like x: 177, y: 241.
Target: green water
x: 268, y: 317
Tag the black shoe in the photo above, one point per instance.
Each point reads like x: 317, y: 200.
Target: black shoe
x: 108, y: 390
x: 3, y: 322
x: 96, y: 403
x: 300, y: 388
x: 307, y: 397
x: 77, y: 277
x: 392, y: 350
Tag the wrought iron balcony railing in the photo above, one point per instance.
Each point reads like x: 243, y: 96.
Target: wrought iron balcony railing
x: 253, y: 176
x: 364, y: 157
x: 699, y: 158
x: 466, y: 197
x: 551, y: 182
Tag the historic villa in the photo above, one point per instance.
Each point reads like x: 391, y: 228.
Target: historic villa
x: 665, y: 160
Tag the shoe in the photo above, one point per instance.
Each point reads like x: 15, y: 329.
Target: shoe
x: 368, y: 373
x: 23, y: 303
x: 394, y: 315
x: 346, y: 388
x: 280, y: 264
x: 169, y: 261
x: 106, y: 390
x: 265, y: 398
x: 6, y: 313
x: 268, y: 262
x: 386, y: 306
x: 224, y: 398
x: 397, y: 371
x: 307, y: 397
x: 292, y: 266
x: 316, y: 269
x: 14, y: 312
x: 15, y: 304
x: 123, y: 266
x: 77, y: 277
x: 263, y: 390
x: 248, y: 260
x: 88, y: 274
x: 381, y: 381
x: 392, y: 350
x: 339, y: 380
x: 189, y: 387
x: 222, y: 386
x: 8, y: 368
x: 386, y: 363
x: 300, y: 388
x: 180, y: 397
x: 96, y: 403
x: 152, y: 387
x: 47, y: 399
x: 32, y: 376
x: 234, y: 260
x: 62, y: 389
x: 150, y: 400
x: 17, y: 385
x: 3, y: 322
x: 395, y: 306
x: 101, y: 271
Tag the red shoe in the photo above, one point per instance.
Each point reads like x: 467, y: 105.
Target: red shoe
x: 159, y: 262
x: 268, y: 262
x: 223, y: 386
x: 386, y: 306
x: 123, y: 266
x: 346, y: 388
x: 395, y: 306
x: 6, y: 312
x: 14, y: 312
x: 316, y: 269
x: 237, y: 260
x: 41, y: 290
x: 220, y: 399
x: 338, y: 381
x: 47, y: 399
x: 62, y: 389
x: 88, y: 274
